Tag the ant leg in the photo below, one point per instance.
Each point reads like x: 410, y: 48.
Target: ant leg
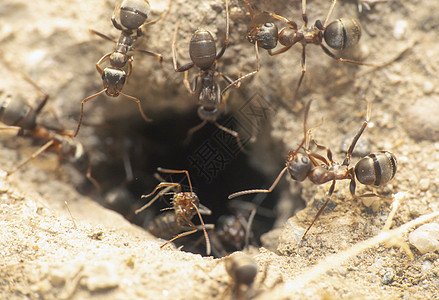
x: 174, y: 54
x: 304, y: 15
x: 237, y: 82
x: 303, y: 62
x: 138, y: 103
x: 281, y: 50
x: 234, y: 195
x: 113, y: 17
x: 150, y: 53
x: 331, y: 9
x: 232, y: 133
x: 197, y: 228
x: 104, y: 36
x: 226, y: 42
x: 283, y: 19
x: 192, y: 90
x: 34, y: 155
x: 328, y: 151
x: 314, y: 157
x: 170, y: 171
x: 353, y: 184
x: 130, y: 67
x: 101, y: 61
x: 163, y: 14
x: 347, y: 160
x: 251, y: 13
x: 349, y: 61
x: 17, y: 128
x: 82, y: 109
x: 159, y: 186
x: 92, y: 179
x: 331, y: 190
x: 204, y: 230
x: 192, y: 131
x: 45, y: 95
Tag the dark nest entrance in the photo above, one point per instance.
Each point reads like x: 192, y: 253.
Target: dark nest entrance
x: 215, y: 163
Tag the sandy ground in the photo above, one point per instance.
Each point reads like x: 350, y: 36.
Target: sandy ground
x: 48, y: 253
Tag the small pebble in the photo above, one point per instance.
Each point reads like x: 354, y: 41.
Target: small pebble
x: 388, y: 277
x: 400, y: 29
x: 426, y: 265
x: 425, y: 238
x: 101, y: 276
x: 424, y: 184
x: 428, y: 87
x: 4, y: 186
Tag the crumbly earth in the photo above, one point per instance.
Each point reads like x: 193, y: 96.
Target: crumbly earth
x: 51, y: 252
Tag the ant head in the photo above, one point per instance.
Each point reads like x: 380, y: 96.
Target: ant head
x: 133, y: 13
x: 299, y: 165
x: 185, y: 204
x: 266, y: 35
x: 114, y: 80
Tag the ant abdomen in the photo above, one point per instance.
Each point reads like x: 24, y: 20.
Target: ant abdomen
x: 133, y: 13
x: 202, y: 49
x: 376, y: 169
x: 16, y: 112
x: 266, y: 35
x: 342, y: 33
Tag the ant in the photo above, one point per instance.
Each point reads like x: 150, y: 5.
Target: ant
x: 132, y: 15
x: 202, y: 50
x: 242, y: 270
x: 338, y: 35
x: 185, y: 205
x: 17, y: 114
x: 232, y: 232
x: 374, y: 169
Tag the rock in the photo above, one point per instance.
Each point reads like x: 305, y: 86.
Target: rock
x: 422, y: 122
x: 425, y: 238
x: 101, y: 276
x: 388, y: 277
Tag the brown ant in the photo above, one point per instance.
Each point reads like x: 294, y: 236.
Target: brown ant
x: 185, y: 205
x: 202, y: 50
x: 374, y: 169
x: 17, y: 114
x: 338, y: 35
x: 132, y: 15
